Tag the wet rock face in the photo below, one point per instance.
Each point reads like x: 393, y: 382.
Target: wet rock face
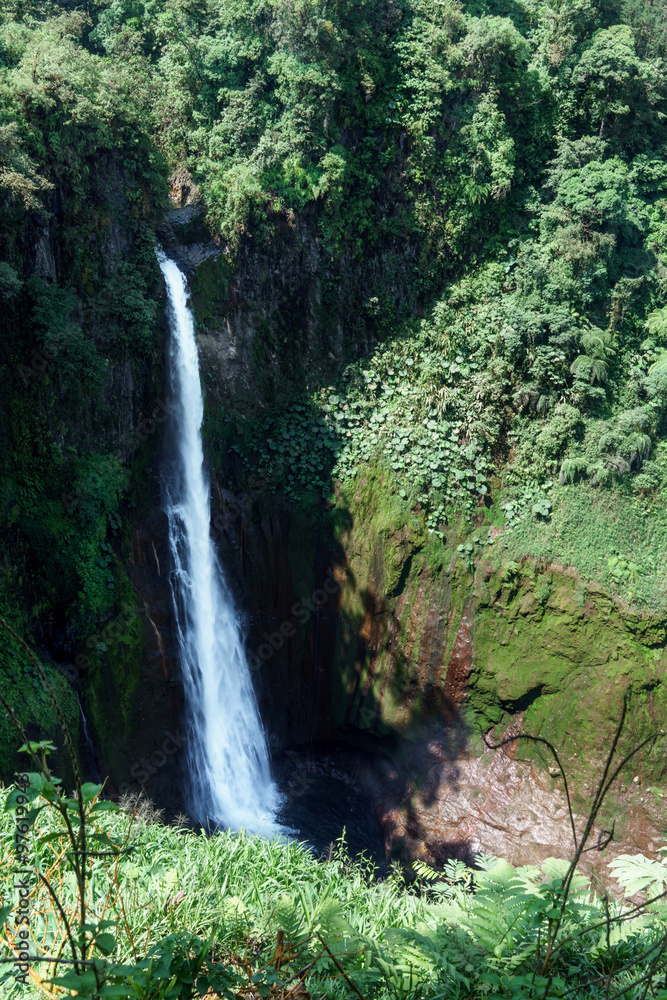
x: 418, y: 655
x: 133, y: 688
x: 272, y: 321
x: 287, y: 599
x: 280, y: 312
x: 429, y: 799
x: 454, y: 805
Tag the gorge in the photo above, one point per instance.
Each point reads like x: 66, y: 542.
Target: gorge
x: 366, y: 470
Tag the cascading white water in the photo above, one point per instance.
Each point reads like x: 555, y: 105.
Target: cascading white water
x: 90, y: 763
x: 230, y: 780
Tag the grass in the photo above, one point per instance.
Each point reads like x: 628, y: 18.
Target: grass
x: 590, y: 527
x: 241, y: 888
x: 269, y: 909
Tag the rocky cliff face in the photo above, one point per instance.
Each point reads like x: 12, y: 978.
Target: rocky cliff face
x: 365, y: 631
x: 87, y: 249
x: 361, y: 626
x: 281, y: 314
x: 81, y: 392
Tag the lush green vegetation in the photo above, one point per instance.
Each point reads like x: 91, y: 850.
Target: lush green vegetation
x: 80, y: 187
x: 510, y: 160
x: 517, y: 157
x: 251, y: 917
x: 521, y: 160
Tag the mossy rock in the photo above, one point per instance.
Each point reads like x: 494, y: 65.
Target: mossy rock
x: 33, y: 706
x: 115, y: 661
x: 403, y: 599
x: 210, y: 289
x: 566, y: 662
x: 545, y: 648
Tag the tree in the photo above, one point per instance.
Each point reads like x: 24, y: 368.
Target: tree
x: 618, y: 95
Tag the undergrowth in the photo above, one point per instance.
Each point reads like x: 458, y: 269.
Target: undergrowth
x: 266, y: 906
x: 611, y: 537
x: 109, y: 904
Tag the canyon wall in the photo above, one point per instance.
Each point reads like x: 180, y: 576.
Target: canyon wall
x: 361, y: 625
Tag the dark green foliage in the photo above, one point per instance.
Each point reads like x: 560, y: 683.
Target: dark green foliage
x: 22, y: 686
x: 388, y: 118
x: 81, y: 184
x: 532, y: 150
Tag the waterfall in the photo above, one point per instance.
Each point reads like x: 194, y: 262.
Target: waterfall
x: 90, y: 762
x: 230, y: 781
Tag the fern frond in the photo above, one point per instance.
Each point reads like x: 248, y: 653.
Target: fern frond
x: 287, y: 918
x: 408, y: 957
x: 572, y: 470
x: 591, y: 369
x: 659, y: 366
x: 597, y: 343
x: 498, y: 906
x: 331, y: 918
x: 657, y: 324
x: 558, y: 868
x: 485, y: 862
x: 598, y: 370
x: 425, y: 871
x: 638, y: 873
x: 582, y: 366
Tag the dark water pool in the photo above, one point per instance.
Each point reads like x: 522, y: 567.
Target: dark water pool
x: 321, y: 801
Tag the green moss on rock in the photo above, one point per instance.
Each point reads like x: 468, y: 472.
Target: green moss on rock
x: 400, y: 609
x: 27, y: 696
x: 535, y: 643
x: 115, y: 657
x: 210, y: 289
x: 565, y: 662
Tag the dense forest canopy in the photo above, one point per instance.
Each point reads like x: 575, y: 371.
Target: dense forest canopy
x: 514, y: 151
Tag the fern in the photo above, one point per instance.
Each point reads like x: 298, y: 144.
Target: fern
x: 485, y: 862
x: 495, y: 912
x: 285, y: 917
x: 331, y: 919
x: 557, y: 868
x: 589, y: 369
x: 408, y: 958
x: 425, y: 871
x: 657, y: 324
x: 597, y: 343
x: 660, y: 365
x: 638, y: 873
x: 452, y: 883
x: 572, y: 470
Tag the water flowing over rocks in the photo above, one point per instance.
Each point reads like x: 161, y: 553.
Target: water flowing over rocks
x: 229, y: 781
